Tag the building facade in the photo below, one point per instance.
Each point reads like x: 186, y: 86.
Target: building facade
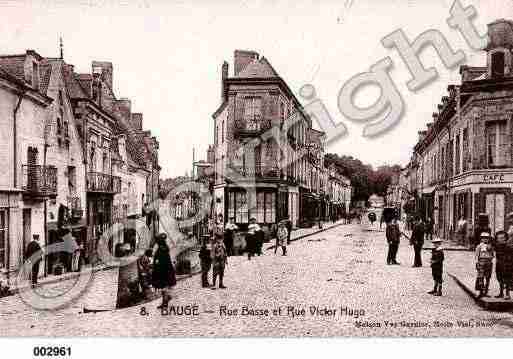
x: 268, y: 160
x: 81, y: 160
x: 463, y: 161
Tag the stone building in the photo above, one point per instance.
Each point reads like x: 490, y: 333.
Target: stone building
x: 263, y: 146
x: 81, y: 159
x: 339, y: 192
x: 463, y: 161
x: 28, y: 182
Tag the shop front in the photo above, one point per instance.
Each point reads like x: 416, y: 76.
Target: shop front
x: 309, y: 210
x: 99, y: 220
x: 485, y: 191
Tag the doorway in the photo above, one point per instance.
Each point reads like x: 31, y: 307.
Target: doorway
x: 495, y: 211
x: 27, y: 228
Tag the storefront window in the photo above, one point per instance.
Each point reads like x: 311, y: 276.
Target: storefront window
x: 270, y: 201
x: 260, y: 215
x: 3, y: 237
x: 231, y: 205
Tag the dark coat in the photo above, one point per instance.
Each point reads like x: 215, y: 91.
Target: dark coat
x: 393, y: 233
x: 163, y: 275
x: 32, y: 248
x: 205, y: 258
x: 417, y: 235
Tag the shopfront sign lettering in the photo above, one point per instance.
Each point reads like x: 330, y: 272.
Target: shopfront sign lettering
x: 493, y: 178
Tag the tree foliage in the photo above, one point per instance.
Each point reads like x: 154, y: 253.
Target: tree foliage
x: 364, y: 179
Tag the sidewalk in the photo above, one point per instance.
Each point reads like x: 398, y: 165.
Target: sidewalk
x: 51, y: 279
x: 462, y: 268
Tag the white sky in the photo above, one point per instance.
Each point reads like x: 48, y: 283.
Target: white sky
x: 167, y: 57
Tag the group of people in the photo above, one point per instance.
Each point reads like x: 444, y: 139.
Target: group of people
x: 393, y: 235
x: 499, y: 247
x: 156, y: 269
x: 216, y: 255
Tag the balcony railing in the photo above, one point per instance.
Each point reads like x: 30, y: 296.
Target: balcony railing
x: 75, y: 206
x: 39, y: 181
x: 252, y: 126
x: 262, y: 172
x: 102, y: 182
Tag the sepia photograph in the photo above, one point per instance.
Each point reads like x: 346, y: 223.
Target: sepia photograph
x: 255, y: 169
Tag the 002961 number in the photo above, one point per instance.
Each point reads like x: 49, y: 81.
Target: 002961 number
x: 52, y: 351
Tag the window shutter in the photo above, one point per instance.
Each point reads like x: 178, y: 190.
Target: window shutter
x: 480, y: 151
x: 239, y: 112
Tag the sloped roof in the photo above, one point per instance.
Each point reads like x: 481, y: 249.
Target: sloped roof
x: 14, y: 65
x: 73, y: 88
x: 84, y: 81
x: 258, y: 68
x: 45, y: 71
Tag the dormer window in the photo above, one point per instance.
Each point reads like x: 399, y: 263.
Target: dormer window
x: 498, y: 64
x: 35, y: 75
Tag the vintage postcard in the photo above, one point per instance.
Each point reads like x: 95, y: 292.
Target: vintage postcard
x: 283, y: 169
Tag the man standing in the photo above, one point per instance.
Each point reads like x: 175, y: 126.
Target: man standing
x: 393, y: 235
x: 33, y: 249
x: 288, y: 225
x: 229, y: 233
x: 417, y: 241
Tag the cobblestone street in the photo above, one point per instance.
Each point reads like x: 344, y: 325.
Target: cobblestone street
x: 342, y: 270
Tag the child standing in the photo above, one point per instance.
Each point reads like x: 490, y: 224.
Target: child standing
x: 484, y: 258
x: 219, y: 262
x: 437, y: 266
x: 281, y: 238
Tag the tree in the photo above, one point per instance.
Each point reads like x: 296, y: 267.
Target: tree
x: 364, y: 179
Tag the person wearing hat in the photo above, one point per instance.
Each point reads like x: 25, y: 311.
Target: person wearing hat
x: 33, y: 249
x: 220, y: 259
x: 437, y: 266
x: 393, y: 236
x: 229, y: 233
x: 484, y: 257
x: 206, y: 262
x: 163, y: 276
x: 251, y: 245
x: 417, y: 241
x: 483, y: 225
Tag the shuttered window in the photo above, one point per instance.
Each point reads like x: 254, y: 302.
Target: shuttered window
x: 497, y: 143
x: 252, y: 112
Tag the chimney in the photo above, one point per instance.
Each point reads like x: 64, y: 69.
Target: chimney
x: 104, y: 70
x: 137, y: 121
x: 224, y: 76
x: 500, y: 34
x: 242, y: 58
x: 210, y: 154
x: 435, y: 117
x: 125, y: 108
